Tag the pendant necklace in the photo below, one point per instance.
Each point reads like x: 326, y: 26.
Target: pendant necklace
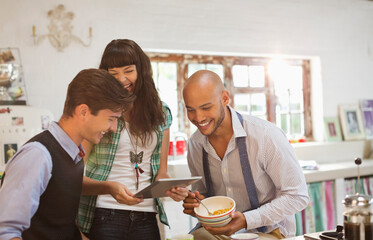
x: 136, y: 159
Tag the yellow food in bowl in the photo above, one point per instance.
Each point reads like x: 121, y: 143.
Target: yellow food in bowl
x: 221, y: 211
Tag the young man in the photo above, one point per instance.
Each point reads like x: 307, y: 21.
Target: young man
x: 41, y: 187
x: 243, y: 157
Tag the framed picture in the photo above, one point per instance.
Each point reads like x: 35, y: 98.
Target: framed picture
x: 9, y: 150
x: 367, y: 110
x: 17, y: 121
x: 351, y: 122
x: 332, y: 129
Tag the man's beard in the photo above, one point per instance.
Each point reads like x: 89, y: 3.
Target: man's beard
x: 219, y: 121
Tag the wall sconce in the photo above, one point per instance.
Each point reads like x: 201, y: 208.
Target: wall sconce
x: 60, y: 30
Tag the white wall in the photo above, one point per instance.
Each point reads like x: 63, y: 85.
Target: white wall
x: 340, y: 32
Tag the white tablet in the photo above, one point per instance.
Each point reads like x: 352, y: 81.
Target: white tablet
x: 159, y: 188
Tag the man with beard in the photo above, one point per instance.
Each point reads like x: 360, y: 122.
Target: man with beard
x: 242, y: 157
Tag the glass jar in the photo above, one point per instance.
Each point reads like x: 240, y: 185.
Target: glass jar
x: 358, y: 217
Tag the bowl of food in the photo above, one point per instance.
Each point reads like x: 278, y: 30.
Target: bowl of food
x: 221, y: 208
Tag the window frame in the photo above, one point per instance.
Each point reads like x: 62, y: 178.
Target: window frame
x: 182, y: 61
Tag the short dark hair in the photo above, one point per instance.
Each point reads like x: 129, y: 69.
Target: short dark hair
x: 98, y: 90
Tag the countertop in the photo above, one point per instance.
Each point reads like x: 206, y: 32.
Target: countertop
x: 334, y: 170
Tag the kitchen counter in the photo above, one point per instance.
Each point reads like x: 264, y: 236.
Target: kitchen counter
x: 308, y: 236
x: 334, y: 170
x: 325, y: 171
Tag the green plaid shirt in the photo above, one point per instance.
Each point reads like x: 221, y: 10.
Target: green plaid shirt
x: 99, y: 166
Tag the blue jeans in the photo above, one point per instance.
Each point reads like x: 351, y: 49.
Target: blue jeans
x: 114, y: 224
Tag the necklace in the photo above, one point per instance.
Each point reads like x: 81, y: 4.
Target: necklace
x: 136, y: 159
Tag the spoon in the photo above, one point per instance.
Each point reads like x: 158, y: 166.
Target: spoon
x: 209, y: 213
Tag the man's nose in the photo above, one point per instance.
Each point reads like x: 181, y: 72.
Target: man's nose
x: 199, y: 116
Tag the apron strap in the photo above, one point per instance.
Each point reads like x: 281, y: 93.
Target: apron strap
x: 247, y: 174
x: 206, y: 171
x: 246, y: 171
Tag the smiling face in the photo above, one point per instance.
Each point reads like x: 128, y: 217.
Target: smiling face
x: 207, y: 116
x: 206, y: 103
x: 96, y: 126
x: 127, y: 75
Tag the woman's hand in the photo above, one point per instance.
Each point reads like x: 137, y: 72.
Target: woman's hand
x: 122, y: 194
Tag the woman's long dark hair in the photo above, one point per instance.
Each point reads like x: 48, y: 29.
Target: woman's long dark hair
x: 147, y: 112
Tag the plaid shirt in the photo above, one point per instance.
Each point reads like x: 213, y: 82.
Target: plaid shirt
x: 99, y: 166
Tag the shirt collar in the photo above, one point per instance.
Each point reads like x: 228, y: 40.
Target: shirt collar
x: 65, y: 141
x: 238, y: 130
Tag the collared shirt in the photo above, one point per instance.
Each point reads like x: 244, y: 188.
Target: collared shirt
x: 278, y: 177
x: 99, y: 166
x: 27, y: 176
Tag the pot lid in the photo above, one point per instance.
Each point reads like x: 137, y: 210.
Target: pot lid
x: 359, y: 200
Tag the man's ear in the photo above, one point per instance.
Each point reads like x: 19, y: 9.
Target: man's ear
x: 225, y: 97
x: 82, y: 110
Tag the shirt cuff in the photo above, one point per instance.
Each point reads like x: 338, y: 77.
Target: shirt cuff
x: 253, y: 219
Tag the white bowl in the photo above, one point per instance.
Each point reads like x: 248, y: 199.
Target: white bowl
x: 214, y: 204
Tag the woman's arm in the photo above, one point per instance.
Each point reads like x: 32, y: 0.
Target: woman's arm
x: 115, y: 189
x: 162, y: 171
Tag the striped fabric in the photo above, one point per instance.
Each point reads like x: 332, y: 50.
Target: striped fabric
x: 329, y: 205
x: 320, y: 213
x: 99, y: 166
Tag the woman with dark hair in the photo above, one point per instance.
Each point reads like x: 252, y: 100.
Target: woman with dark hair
x: 129, y: 159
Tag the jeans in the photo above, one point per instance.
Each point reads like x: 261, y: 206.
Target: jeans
x: 114, y: 224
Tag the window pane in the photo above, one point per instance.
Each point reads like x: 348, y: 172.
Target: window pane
x: 165, y: 78
x: 295, y: 77
x: 283, y: 122
x: 297, y: 126
x: 242, y: 103
x: 216, y: 68
x: 283, y: 103
x: 256, y: 76
x: 194, y: 67
x: 240, y: 74
x: 258, y: 104
x: 252, y: 104
x: 296, y: 101
x: 288, y: 78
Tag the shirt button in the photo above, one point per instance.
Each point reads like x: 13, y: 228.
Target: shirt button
x: 225, y: 170
x: 229, y: 189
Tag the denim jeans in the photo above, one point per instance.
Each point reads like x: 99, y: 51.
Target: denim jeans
x: 113, y: 224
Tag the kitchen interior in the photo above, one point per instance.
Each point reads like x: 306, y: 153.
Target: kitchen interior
x: 310, y: 63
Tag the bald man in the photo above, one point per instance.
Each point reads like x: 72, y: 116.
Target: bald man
x: 242, y: 157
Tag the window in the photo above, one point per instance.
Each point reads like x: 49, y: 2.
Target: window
x: 274, y: 89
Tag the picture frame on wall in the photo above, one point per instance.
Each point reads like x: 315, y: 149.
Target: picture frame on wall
x: 351, y: 122
x: 367, y: 111
x: 332, y: 129
x: 9, y: 150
